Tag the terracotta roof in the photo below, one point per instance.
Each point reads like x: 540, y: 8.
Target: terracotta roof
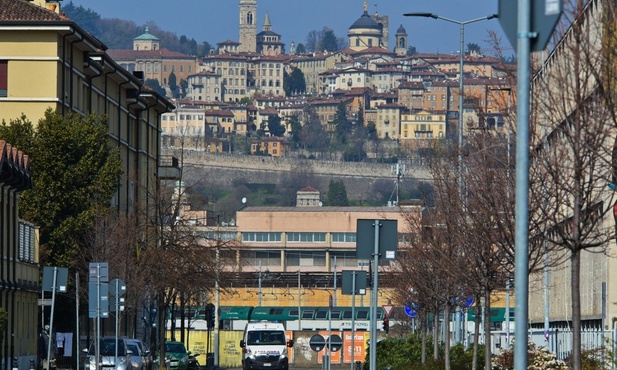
x: 14, y: 164
x: 147, y: 54
x: 219, y: 113
x: 24, y: 11
x: 310, y: 189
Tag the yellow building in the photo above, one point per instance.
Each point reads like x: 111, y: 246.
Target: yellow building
x: 48, y: 61
x: 19, y: 259
x: 420, y: 129
x: 272, y: 146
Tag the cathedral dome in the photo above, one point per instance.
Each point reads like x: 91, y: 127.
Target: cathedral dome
x: 365, y: 21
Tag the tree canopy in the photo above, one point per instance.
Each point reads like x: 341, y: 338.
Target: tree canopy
x: 337, y: 194
x: 74, y: 173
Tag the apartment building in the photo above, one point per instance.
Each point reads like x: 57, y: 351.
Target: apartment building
x: 388, y: 122
x: 48, y: 61
x: 314, y: 65
x: 19, y: 258
x: 204, y: 86
x: 233, y: 70
x: 268, y: 73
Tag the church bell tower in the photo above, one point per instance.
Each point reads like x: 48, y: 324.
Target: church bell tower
x: 248, y: 26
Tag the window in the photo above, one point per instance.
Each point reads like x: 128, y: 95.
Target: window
x: 4, y: 78
x: 306, y: 237
x: 343, y: 237
x: 261, y: 237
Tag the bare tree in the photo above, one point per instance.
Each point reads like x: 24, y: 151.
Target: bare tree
x: 573, y: 127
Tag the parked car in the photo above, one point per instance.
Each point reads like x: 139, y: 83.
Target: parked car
x: 179, y: 358
x: 108, y: 352
x: 140, y: 358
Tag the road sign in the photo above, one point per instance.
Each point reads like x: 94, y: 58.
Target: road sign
x: 544, y: 17
x: 98, y: 302
x: 98, y: 271
x: 348, y: 282
x: 387, y: 309
x: 62, y: 274
x: 336, y: 343
x: 117, y: 287
x: 365, y: 239
x: 45, y: 302
x: 317, y: 342
x: 410, y: 309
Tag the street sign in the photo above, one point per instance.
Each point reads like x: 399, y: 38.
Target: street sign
x: 117, y: 286
x: 336, y: 342
x: 544, y: 17
x: 98, y: 271
x: 45, y: 302
x: 365, y: 239
x: 317, y: 342
x: 387, y: 309
x: 348, y: 282
x: 62, y: 274
x: 98, y: 302
x: 410, y: 309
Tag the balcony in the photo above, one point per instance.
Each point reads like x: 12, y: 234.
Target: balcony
x: 169, y: 168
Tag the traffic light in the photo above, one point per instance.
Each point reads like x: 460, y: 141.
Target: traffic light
x: 386, y: 325
x: 210, y: 316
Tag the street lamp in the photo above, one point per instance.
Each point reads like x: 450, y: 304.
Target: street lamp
x: 460, y: 98
x: 461, y: 52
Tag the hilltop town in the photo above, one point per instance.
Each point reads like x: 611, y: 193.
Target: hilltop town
x: 251, y: 96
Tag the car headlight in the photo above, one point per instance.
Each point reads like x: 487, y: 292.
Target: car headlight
x: 250, y: 354
x: 121, y: 360
x: 135, y: 364
x: 284, y: 353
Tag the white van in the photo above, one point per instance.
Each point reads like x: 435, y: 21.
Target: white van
x: 264, y: 346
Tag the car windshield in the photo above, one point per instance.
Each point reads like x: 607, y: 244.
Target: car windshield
x: 266, y: 337
x: 108, y: 347
x: 174, y: 348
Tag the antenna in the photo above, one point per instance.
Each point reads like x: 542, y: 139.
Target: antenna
x: 399, y: 171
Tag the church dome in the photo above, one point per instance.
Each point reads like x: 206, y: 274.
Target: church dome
x: 146, y: 36
x: 365, y: 21
x: 401, y: 30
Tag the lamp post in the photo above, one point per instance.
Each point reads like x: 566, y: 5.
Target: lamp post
x: 460, y: 99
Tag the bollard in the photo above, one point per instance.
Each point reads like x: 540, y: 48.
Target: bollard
x: 31, y: 364
x: 15, y: 364
x: 358, y: 365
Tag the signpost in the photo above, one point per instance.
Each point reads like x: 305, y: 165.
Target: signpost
x: 384, y: 236
x: 354, y: 282
x: 98, y: 275
x: 54, y: 280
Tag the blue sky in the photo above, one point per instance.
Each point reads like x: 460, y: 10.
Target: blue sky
x: 217, y: 20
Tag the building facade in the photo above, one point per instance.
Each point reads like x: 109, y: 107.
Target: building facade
x: 48, y: 61
x: 19, y: 262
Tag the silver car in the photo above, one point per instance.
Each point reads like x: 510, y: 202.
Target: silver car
x: 140, y: 356
x: 108, y: 354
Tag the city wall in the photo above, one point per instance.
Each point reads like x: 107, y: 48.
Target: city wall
x: 222, y: 169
